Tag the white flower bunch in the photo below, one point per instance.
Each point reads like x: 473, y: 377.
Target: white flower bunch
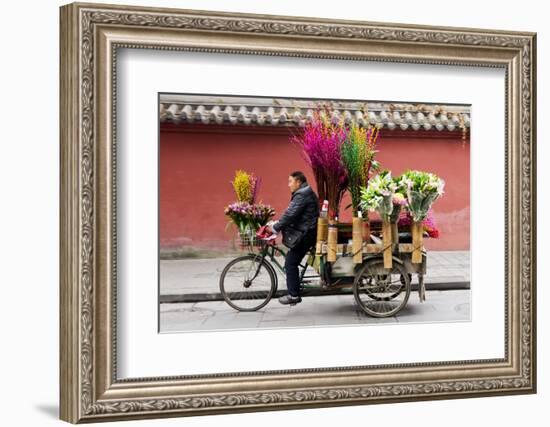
x: 422, y: 189
x: 379, y: 193
x: 422, y: 182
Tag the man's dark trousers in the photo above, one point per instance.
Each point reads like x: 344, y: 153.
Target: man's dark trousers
x: 293, y: 258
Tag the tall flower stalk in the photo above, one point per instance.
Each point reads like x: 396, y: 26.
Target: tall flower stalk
x: 320, y: 144
x: 358, y: 151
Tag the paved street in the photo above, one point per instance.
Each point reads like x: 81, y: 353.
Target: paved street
x: 447, y: 299
x: 440, y: 306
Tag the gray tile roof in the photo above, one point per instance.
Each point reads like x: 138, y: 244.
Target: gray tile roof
x: 209, y: 109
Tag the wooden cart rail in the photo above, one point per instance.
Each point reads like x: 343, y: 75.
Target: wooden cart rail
x: 346, y: 249
x: 327, y: 241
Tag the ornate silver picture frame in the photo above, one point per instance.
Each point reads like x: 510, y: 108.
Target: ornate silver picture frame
x: 90, y: 37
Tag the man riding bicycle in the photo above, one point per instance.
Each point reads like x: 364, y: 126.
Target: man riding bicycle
x: 302, y: 214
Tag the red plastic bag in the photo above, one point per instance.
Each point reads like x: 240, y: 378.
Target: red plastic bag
x: 262, y: 232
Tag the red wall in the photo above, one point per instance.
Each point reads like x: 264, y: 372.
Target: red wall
x: 198, y: 162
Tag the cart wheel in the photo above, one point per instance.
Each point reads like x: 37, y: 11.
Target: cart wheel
x: 381, y: 292
x: 247, y: 283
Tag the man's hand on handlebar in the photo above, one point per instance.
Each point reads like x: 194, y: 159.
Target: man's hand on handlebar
x: 269, y: 227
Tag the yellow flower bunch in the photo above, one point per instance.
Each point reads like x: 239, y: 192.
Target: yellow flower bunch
x: 242, y: 186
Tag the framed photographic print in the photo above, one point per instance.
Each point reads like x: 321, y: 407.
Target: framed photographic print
x: 272, y: 212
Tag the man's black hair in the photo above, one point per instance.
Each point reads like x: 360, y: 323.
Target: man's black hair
x: 299, y: 175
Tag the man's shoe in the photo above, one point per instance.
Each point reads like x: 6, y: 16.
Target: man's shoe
x: 289, y: 299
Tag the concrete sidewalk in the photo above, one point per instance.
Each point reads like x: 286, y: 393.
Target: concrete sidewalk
x: 445, y: 270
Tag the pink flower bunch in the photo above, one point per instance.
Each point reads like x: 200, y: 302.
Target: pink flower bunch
x: 320, y: 144
x: 237, y: 208
x: 246, y: 215
x: 428, y: 224
x: 399, y: 199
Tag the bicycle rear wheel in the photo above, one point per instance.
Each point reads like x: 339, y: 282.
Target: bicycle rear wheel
x: 247, y: 283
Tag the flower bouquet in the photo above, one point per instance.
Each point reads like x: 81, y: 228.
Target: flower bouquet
x: 246, y: 214
x: 380, y: 195
x: 422, y: 190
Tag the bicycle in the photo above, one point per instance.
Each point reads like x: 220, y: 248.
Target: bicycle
x: 248, y: 282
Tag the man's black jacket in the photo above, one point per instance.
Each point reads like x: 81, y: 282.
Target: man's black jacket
x: 302, y: 212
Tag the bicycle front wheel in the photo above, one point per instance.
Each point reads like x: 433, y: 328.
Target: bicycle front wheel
x: 247, y: 283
